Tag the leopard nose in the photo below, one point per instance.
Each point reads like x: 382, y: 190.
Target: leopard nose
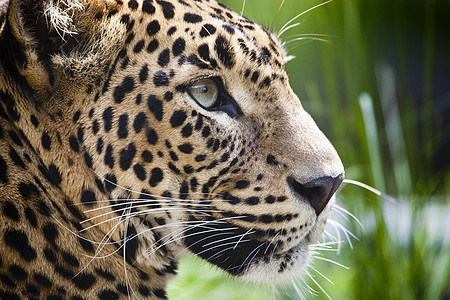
x: 317, y: 192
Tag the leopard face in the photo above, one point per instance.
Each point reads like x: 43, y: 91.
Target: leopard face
x: 172, y: 128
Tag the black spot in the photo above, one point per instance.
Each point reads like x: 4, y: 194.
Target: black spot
x: 31, y: 216
x: 95, y: 126
x: 43, y: 208
x: 88, y: 197
x: 255, y: 76
x: 105, y: 274
x: 26, y: 190
x: 108, y: 294
x: 168, y: 96
x: 109, y: 159
x: 152, y: 136
x: 188, y: 169
x: 84, y: 281
x: 127, y: 156
x: 34, y: 121
x: 160, y: 79
x: 88, y: 159
x: 271, y: 160
x: 206, y: 131
x: 133, y: 4
x: 10, y: 211
x: 18, y: 272
x: 110, y: 182
x: 76, y: 116
x: 156, y: 177
x: 54, y: 175
x: 126, y: 86
x: 192, y: 18
x: 100, y: 145
x: 156, y: 107
x: 50, y: 232
x: 42, y: 280
x: 80, y: 134
x: 229, y: 28
x: 171, y: 30
x: 86, y: 244
x: 178, y: 46
x: 178, y: 118
x: 139, y: 122
x: 148, y: 7
x: 139, y: 46
x: 140, y: 172
x: 223, y: 49
x: 242, y: 184
x: 131, y: 245
x: 50, y: 255
x: 199, y: 123
x: 18, y: 240
x: 160, y: 293
x: 45, y: 141
x: 153, y: 28
x: 164, y: 58
x: 147, y: 156
x: 122, y: 131
x: 6, y: 280
x: 143, y: 74
x: 200, y: 158
x: 281, y: 198
x: 74, y: 143
x: 168, y: 9
x: 3, y: 171
x: 15, y: 138
x: 203, y: 51
x: 186, y: 148
x: 107, y: 118
x: 152, y: 46
x: 187, y: 130
x: 207, y: 30
x: 252, y: 201
x: 70, y: 259
x: 129, y: 38
x: 259, y: 177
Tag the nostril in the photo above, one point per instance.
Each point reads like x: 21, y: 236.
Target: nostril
x: 317, y: 192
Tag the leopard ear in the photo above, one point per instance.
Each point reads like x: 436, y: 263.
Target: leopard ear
x: 47, y: 39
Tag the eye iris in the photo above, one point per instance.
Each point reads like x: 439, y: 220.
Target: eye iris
x: 205, y: 92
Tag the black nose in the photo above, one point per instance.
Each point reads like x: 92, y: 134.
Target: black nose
x: 317, y: 192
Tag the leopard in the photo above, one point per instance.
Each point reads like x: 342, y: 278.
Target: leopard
x: 135, y: 133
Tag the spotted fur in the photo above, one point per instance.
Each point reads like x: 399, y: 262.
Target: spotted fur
x: 110, y: 172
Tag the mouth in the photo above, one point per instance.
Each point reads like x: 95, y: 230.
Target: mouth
x: 252, y: 254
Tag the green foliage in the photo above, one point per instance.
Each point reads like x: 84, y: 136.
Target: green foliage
x: 370, y: 88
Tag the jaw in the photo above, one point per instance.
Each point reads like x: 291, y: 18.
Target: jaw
x: 282, y: 266
x: 259, y: 261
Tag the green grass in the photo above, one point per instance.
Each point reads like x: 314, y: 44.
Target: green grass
x: 387, y: 131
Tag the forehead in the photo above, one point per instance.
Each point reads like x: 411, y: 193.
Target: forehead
x: 204, y: 27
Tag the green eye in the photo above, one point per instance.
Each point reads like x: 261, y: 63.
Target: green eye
x: 205, y: 92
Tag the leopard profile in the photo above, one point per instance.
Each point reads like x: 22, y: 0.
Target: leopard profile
x: 134, y: 133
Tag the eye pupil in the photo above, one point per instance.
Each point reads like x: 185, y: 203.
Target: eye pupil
x: 205, y: 89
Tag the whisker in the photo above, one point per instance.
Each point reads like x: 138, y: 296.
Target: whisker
x: 317, y: 284
x: 370, y: 189
x: 134, y: 214
x: 287, y: 27
x: 331, y: 261
x: 340, y: 208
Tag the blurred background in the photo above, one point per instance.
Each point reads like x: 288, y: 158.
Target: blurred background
x: 375, y: 75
